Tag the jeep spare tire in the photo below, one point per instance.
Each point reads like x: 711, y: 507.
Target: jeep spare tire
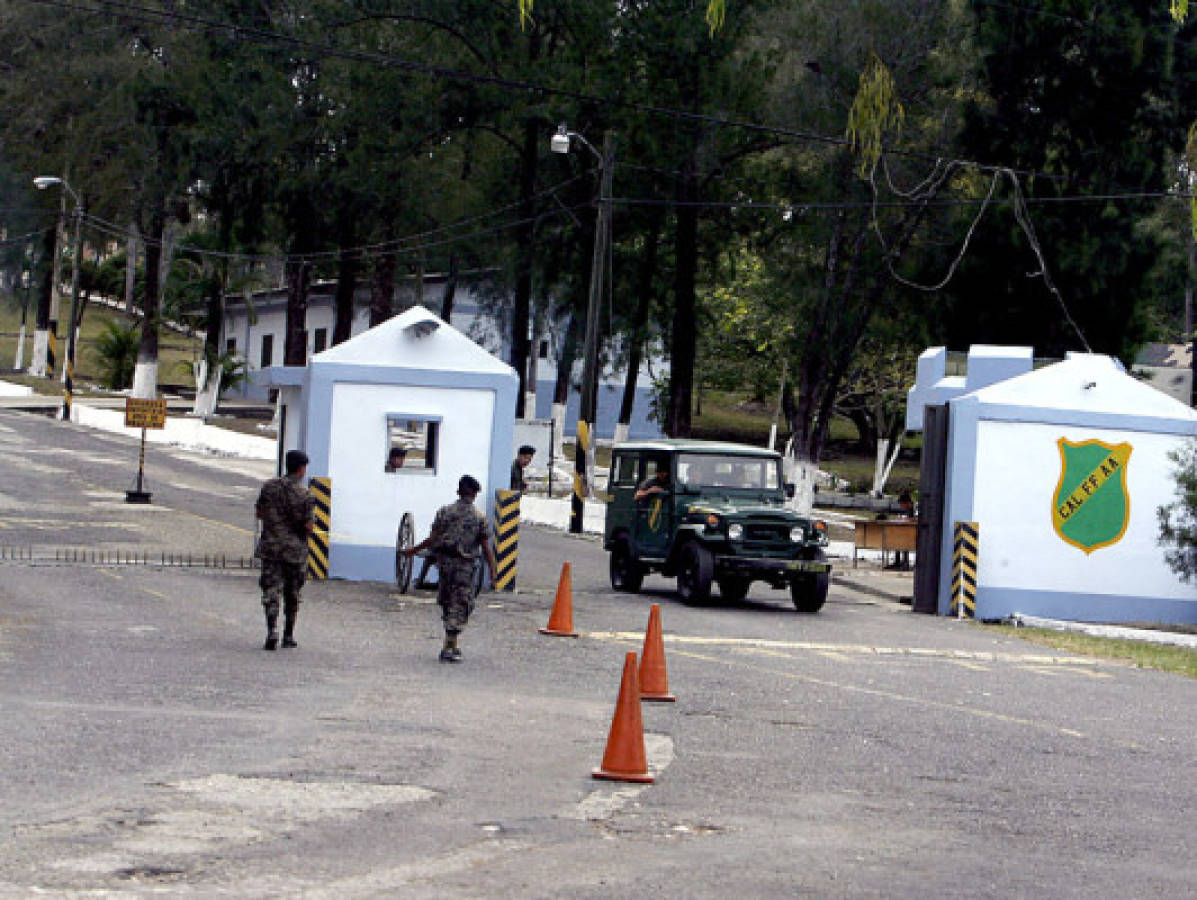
x: 626, y: 573
x: 695, y: 570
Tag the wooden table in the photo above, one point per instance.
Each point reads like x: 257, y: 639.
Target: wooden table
x: 884, y: 535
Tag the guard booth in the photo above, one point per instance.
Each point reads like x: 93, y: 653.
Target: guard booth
x: 394, y: 417
x: 1062, y: 469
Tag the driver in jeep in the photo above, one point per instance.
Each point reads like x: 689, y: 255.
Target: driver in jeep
x: 657, y: 484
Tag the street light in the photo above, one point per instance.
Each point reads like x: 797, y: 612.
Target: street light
x: 561, y: 142
x: 42, y: 182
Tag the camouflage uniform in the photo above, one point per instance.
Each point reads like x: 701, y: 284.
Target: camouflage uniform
x: 285, y: 507
x: 461, y: 532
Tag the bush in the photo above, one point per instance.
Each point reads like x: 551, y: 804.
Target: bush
x: 1178, y: 520
x: 117, y: 352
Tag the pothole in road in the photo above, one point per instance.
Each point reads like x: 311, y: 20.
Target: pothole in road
x: 149, y: 873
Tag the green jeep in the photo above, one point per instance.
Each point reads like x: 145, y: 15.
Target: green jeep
x: 710, y: 512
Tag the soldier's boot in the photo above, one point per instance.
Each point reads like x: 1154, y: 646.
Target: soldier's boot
x: 271, y: 632
x: 289, y: 632
x: 449, y: 652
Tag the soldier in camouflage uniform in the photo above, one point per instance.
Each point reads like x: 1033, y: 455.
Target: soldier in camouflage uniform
x: 459, y: 533
x: 287, y: 513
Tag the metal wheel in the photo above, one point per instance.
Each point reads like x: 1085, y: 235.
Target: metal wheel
x: 404, y: 540
x: 479, y: 575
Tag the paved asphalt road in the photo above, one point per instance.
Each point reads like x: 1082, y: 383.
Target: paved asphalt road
x: 151, y: 747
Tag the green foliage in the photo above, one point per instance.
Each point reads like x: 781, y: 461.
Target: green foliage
x: 875, y: 113
x: 1178, y: 520
x: 116, y: 354
x: 1097, y: 96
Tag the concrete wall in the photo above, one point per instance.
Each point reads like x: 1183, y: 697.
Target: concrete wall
x: 369, y: 502
x: 1026, y: 566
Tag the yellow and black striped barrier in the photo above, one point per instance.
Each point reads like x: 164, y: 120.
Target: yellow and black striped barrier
x: 507, y: 538
x: 321, y: 490
x: 577, y: 503
x: 964, y: 569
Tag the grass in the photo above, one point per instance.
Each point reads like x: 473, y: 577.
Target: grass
x: 1164, y: 657
x: 173, y: 349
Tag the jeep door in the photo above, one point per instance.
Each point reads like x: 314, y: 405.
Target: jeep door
x: 621, y: 508
x: 654, y: 514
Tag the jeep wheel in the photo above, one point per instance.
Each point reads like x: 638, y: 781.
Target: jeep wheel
x: 695, y: 571
x: 626, y: 573
x: 809, y: 590
x: 733, y: 589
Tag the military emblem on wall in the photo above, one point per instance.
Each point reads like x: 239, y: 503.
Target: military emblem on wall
x: 1091, y: 507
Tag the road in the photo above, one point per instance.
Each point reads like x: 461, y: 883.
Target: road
x: 151, y: 747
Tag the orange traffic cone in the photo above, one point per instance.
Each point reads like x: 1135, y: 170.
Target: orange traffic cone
x: 624, y: 759
x: 654, y: 680
x: 561, y: 619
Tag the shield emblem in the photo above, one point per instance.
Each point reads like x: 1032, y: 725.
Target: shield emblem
x: 1091, y: 508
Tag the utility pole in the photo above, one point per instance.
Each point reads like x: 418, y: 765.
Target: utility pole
x: 584, y: 445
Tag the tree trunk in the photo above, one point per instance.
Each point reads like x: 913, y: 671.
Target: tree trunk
x: 38, y: 362
x: 131, y: 269
x: 646, y: 271
x: 450, y: 290
x: 684, y: 339
x: 526, y: 249
x: 295, y: 347
x: 145, y: 373
x: 382, y: 289
x: 347, y: 269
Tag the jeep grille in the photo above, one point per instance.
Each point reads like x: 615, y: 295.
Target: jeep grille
x: 767, y: 534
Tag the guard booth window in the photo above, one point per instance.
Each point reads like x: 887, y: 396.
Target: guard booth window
x: 267, y: 357
x: 412, y: 443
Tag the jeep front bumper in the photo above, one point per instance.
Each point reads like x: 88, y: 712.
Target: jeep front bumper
x: 768, y: 568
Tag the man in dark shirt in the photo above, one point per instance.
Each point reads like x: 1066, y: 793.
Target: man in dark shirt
x: 521, y: 462
x: 287, y: 512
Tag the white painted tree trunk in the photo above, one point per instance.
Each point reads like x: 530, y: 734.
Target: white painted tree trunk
x: 621, y: 432
x: 879, y: 466
x: 20, y: 361
x: 529, y: 405
x: 145, y: 380
x: 41, y: 349
x: 558, y: 430
x: 885, y: 464
x: 207, y: 388
x: 801, y: 473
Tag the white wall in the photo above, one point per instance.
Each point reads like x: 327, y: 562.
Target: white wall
x: 1017, y: 470
x: 367, y: 502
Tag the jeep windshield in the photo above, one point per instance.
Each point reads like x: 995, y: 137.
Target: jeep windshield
x: 706, y: 471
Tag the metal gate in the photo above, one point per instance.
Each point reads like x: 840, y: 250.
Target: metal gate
x: 932, y: 478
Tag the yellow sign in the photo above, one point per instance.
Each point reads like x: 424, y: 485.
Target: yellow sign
x: 145, y: 413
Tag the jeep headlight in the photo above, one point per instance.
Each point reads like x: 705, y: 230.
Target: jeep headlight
x: 797, y: 533
x: 735, y: 531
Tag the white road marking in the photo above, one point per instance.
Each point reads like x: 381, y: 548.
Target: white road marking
x: 605, y: 801
x: 865, y: 649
